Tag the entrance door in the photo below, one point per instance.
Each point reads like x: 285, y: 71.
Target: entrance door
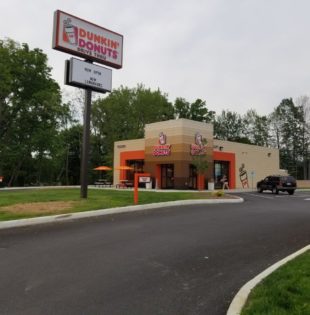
x: 221, y: 168
x: 167, y: 174
x: 192, y: 183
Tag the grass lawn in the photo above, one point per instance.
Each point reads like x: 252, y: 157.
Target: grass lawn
x: 17, y: 204
x: 285, y: 292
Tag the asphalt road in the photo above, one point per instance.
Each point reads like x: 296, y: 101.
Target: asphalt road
x: 180, y: 261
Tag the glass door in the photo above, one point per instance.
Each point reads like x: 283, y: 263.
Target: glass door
x: 167, y: 176
x: 221, y: 168
x: 192, y: 182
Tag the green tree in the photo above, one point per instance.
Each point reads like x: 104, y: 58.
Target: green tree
x: 124, y: 113
x: 181, y: 108
x: 256, y: 128
x: 288, y: 120
x: 30, y: 111
x: 69, y: 155
x: 200, y: 160
x: 304, y: 103
x: 197, y: 110
x: 229, y: 126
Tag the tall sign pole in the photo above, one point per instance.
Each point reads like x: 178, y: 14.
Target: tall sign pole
x: 95, y: 44
x: 85, y: 147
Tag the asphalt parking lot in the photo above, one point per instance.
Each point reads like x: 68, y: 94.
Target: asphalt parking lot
x: 184, y: 260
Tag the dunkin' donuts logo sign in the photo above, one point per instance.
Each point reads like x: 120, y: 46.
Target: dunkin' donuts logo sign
x: 200, y: 146
x: 87, y: 40
x: 162, y: 149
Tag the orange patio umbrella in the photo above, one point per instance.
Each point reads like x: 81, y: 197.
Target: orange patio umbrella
x: 124, y: 168
x: 103, y: 168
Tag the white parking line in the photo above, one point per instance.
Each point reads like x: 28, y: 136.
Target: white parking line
x: 280, y: 195
x: 261, y: 196
x: 300, y: 196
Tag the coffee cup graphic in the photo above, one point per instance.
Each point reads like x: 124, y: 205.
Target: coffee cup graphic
x: 243, y: 175
x: 70, y: 33
x: 162, y: 138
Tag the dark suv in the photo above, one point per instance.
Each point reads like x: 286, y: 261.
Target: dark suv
x: 277, y: 183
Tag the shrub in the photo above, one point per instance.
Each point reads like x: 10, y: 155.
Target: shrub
x: 218, y: 193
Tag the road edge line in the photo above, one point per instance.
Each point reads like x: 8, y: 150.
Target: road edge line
x: 241, y: 297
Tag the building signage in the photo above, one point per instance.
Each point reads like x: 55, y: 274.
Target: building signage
x: 144, y: 179
x: 199, y: 148
x: 87, y: 75
x: 87, y: 40
x: 162, y: 149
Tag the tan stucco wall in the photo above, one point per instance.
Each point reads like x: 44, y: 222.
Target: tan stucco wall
x: 259, y: 161
x: 180, y: 135
x: 124, y: 146
x: 179, y: 127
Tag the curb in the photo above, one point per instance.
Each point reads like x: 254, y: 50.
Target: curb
x: 102, y: 212
x: 241, y: 297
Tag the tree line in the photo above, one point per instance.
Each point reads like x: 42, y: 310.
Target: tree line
x: 40, y: 137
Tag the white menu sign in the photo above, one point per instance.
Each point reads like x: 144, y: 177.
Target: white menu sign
x: 85, y: 74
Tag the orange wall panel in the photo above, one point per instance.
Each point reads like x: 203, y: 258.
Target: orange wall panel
x: 228, y: 157
x: 130, y: 155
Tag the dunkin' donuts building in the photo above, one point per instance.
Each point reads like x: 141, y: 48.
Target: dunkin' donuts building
x: 170, y: 148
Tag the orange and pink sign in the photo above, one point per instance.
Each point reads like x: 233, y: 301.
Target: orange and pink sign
x: 87, y: 40
x: 163, y: 149
x: 199, y: 148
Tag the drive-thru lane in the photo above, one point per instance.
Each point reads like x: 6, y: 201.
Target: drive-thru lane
x: 178, y: 260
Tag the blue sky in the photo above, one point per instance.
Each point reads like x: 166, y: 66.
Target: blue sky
x: 234, y: 54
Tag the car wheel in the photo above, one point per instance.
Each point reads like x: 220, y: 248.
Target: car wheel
x: 259, y: 189
x: 291, y: 192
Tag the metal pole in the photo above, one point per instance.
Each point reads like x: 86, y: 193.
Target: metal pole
x: 67, y: 166
x: 85, y: 148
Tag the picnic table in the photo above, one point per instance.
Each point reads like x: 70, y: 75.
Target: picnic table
x: 124, y: 183
x: 103, y: 183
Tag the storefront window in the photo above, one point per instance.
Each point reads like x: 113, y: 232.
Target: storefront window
x: 221, y: 168
x: 137, y: 166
